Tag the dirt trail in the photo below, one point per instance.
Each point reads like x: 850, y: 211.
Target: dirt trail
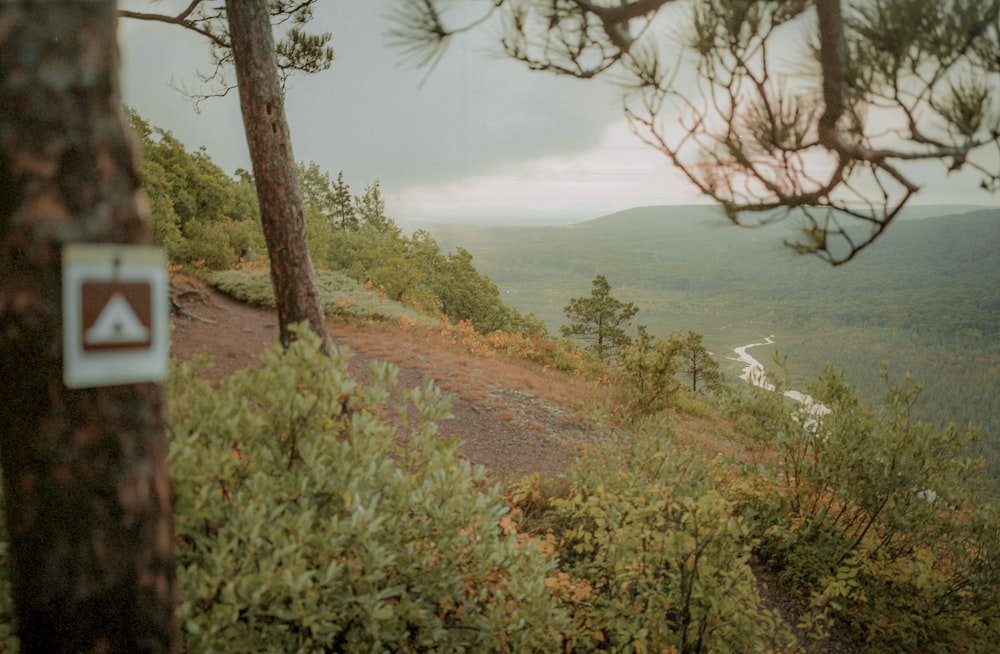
x: 512, y: 417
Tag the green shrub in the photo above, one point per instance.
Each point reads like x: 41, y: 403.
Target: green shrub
x: 340, y: 294
x: 874, y: 515
x: 646, y: 375
x: 651, y: 557
x: 310, y: 521
x: 218, y: 245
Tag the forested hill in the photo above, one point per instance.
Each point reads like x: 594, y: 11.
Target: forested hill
x: 932, y: 275
x: 925, y: 297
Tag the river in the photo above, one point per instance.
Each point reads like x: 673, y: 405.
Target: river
x: 754, y: 373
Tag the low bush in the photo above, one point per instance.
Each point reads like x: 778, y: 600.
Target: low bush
x: 312, y: 518
x: 341, y: 295
x: 651, y: 557
x: 874, y: 516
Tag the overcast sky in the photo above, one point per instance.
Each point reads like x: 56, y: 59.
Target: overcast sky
x: 478, y: 139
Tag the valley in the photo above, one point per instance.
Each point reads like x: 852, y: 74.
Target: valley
x: 925, y: 299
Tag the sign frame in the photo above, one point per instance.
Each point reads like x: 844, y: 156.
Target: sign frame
x: 117, y: 279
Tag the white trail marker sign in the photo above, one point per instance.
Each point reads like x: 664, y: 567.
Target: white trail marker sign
x: 115, y: 315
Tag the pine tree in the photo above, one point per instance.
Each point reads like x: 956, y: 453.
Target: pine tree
x: 282, y: 215
x: 697, y: 363
x: 343, y: 209
x: 600, y: 320
x: 369, y: 208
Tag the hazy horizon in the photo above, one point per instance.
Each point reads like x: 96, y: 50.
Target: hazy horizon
x: 480, y: 139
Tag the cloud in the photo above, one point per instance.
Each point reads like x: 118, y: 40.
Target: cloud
x: 473, y: 113
x: 478, y: 138
x: 370, y: 115
x: 618, y: 172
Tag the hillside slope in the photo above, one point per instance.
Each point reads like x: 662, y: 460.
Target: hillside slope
x: 513, y: 417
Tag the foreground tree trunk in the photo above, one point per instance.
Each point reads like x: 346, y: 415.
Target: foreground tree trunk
x: 86, y: 492
x: 281, y: 213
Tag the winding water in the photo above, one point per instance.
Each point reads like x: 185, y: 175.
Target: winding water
x: 754, y: 373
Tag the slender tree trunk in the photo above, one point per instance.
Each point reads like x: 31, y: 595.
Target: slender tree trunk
x: 86, y: 492
x: 281, y: 213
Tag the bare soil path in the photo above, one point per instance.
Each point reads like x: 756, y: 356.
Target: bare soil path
x: 515, y: 418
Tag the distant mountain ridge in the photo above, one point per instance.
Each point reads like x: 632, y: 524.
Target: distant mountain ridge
x: 925, y: 296
x: 653, y: 215
x: 658, y: 250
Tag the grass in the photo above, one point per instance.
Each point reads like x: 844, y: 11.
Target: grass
x: 341, y: 295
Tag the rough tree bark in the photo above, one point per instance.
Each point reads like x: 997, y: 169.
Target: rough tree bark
x: 282, y: 216
x: 87, y: 496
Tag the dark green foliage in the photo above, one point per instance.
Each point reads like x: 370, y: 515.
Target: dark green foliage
x: 467, y: 294
x: 600, y: 320
x: 310, y: 522
x: 199, y: 214
x: 218, y: 245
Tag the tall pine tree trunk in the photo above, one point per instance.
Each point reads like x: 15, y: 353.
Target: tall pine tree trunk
x: 281, y: 212
x: 86, y: 492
